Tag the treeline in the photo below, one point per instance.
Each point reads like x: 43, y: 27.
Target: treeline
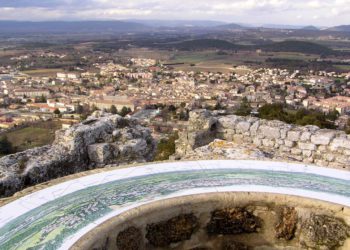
x: 302, y: 65
x: 285, y: 46
x: 300, y: 117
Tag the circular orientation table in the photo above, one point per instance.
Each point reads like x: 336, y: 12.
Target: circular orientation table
x: 58, y: 216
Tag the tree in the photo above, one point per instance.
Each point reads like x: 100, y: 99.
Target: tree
x: 5, y: 146
x: 273, y: 112
x: 125, y: 111
x: 80, y: 109
x: 57, y: 112
x: 43, y: 99
x: 332, y: 115
x: 114, y: 109
x: 244, y: 109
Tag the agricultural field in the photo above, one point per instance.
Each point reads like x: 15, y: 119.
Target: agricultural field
x: 36, y: 135
x: 42, y: 72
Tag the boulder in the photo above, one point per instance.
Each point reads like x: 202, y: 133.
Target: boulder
x: 287, y: 225
x: 100, y: 140
x: 324, y: 232
x: 130, y: 239
x: 177, y: 229
x: 233, y: 221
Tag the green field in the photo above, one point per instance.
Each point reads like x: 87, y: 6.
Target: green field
x: 42, y: 72
x: 34, y: 136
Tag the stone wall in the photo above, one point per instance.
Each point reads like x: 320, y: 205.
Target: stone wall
x: 100, y: 140
x: 308, y: 144
x: 224, y: 221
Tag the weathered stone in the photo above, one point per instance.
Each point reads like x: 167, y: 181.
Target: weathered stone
x: 268, y: 143
x: 287, y: 225
x: 290, y: 144
x: 130, y: 239
x: 279, y: 140
x: 100, y: 153
x: 307, y: 146
x: 323, y: 137
x: 243, y: 126
x: 307, y: 153
x: 338, y: 143
x: 174, y: 230
x: 324, y: 232
x: 270, y: 132
x: 84, y: 146
x: 231, y: 245
x: 254, y: 128
x: 294, y: 136
x: 296, y: 151
x: 305, y: 136
x: 233, y: 221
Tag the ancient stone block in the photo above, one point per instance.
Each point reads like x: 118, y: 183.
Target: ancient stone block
x: 287, y: 225
x: 233, y: 221
x: 174, y: 230
x: 130, y: 239
x: 243, y: 126
x: 305, y: 136
x: 293, y: 136
x: 324, y: 232
x: 323, y: 137
x: 307, y: 146
x: 270, y: 132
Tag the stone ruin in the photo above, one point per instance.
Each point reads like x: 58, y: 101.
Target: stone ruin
x: 208, y: 135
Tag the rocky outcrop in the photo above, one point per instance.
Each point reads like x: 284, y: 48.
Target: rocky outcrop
x: 275, y: 139
x: 100, y: 140
x: 174, y: 230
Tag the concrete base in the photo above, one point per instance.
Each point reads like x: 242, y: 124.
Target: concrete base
x: 266, y: 207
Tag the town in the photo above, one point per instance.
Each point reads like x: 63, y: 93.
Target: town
x: 162, y: 96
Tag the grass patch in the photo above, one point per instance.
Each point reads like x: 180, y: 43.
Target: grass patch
x: 33, y: 136
x: 42, y: 72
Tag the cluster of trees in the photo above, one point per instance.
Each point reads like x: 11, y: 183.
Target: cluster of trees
x: 300, y: 117
x: 244, y: 109
x: 166, y: 148
x: 40, y: 99
x: 123, y: 112
x: 5, y: 146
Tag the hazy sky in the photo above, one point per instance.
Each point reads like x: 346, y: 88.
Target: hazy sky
x: 295, y: 12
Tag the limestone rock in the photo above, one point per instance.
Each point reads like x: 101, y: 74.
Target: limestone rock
x: 324, y: 232
x: 100, y: 140
x: 220, y: 149
x: 174, y: 230
x: 130, y: 239
x: 285, y: 229
x: 323, y: 137
x: 233, y: 221
x: 231, y: 245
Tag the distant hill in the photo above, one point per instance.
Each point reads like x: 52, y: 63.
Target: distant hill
x: 300, y: 47
x: 285, y: 46
x: 310, y: 28
x: 178, y: 23
x: 280, y: 26
x: 230, y: 26
x: 202, y: 44
x: 63, y: 27
x: 342, y: 28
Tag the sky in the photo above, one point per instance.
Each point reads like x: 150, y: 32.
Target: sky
x: 292, y: 12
